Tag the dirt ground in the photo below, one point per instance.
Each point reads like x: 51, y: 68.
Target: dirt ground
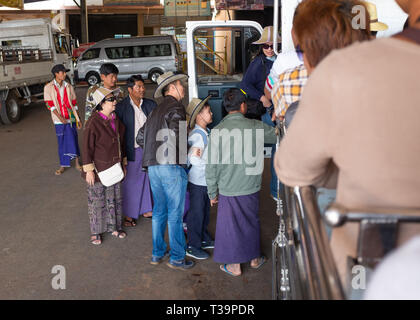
x: 44, y: 223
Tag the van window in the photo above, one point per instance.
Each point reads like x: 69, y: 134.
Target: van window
x: 155, y: 50
x: 118, y: 52
x: 91, y: 54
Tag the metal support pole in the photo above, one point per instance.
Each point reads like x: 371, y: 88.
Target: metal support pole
x: 84, y: 21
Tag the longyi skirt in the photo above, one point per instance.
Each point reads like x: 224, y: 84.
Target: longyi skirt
x: 237, y: 237
x: 137, y: 194
x: 104, y: 208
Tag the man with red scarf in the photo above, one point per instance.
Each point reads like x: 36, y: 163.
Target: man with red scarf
x: 60, y: 99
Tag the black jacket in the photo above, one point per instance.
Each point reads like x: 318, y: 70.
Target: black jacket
x: 125, y: 113
x: 170, y: 116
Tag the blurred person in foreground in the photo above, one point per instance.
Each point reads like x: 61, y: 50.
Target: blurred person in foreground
x: 346, y: 120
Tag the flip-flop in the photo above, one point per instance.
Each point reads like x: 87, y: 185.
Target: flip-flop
x: 120, y: 234
x: 224, y: 269
x: 59, y: 171
x: 129, y: 223
x: 96, y: 239
x: 261, y: 261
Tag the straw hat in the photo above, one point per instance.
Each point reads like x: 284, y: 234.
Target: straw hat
x: 375, y: 25
x: 167, y: 78
x: 193, y: 109
x: 267, y: 36
x: 99, y: 94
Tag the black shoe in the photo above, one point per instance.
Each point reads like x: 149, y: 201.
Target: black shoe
x: 181, y: 265
x: 197, y: 253
x: 156, y: 260
x: 207, y: 244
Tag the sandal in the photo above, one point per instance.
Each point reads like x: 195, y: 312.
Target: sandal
x: 59, y: 171
x: 95, y: 239
x: 119, y: 234
x: 130, y: 223
x: 223, y: 268
x: 261, y: 261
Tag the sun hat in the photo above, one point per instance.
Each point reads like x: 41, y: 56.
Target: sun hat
x: 167, y: 78
x: 375, y: 24
x: 99, y: 94
x: 194, y: 108
x: 267, y: 36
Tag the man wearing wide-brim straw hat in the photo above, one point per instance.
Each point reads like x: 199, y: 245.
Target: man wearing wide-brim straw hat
x: 375, y: 24
x: 199, y: 116
x: 164, y: 140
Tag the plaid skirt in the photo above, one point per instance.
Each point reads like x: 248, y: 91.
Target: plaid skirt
x: 104, y: 208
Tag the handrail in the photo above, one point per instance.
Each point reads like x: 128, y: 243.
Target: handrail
x: 308, y: 269
x: 214, y: 53
x: 323, y: 280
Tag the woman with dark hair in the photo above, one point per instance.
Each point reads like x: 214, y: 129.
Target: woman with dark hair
x: 253, y: 84
x: 254, y: 79
x: 103, y: 147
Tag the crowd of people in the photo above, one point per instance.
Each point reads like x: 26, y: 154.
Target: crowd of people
x: 354, y: 104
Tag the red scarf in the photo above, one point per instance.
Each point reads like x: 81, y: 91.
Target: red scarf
x: 63, y: 108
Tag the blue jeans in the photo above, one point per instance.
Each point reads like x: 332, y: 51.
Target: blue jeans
x: 169, y: 185
x: 266, y: 118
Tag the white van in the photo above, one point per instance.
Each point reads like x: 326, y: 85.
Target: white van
x: 149, y: 56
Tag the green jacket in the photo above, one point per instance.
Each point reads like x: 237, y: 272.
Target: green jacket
x: 234, y: 167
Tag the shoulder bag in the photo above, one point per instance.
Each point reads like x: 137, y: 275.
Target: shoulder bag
x: 114, y: 174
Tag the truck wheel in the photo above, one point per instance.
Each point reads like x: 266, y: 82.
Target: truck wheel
x: 154, y: 75
x: 11, y: 111
x: 92, y: 78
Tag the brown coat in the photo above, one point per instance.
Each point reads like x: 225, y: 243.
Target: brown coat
x: 101, y: 149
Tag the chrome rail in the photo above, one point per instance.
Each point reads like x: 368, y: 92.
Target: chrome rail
x: 305, y: 262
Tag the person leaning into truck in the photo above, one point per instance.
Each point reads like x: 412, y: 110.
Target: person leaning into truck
x: 109, y: 73
x: 60, y: 99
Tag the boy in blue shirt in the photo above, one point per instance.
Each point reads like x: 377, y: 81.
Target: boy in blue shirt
x: 199, y: 116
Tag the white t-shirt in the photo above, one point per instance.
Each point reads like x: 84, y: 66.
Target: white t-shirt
x: 284, y: 61
x: 139, y: 119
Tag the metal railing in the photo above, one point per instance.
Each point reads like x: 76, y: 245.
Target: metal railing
x: 24, y: 55
x: 306, y: 267
x: 218, y: 61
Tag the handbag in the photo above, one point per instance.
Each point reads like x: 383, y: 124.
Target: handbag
x: 114, y: 174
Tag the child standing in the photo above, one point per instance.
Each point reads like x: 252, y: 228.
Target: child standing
x: 199, y: 116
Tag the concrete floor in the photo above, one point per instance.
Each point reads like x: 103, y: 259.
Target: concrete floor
x: 44, y: 223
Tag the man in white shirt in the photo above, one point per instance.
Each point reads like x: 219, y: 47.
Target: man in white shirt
x: 133, y: 111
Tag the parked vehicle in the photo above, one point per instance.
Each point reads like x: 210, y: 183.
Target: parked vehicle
x: 82, y: 48
x: 149, y: 56
x: 29, y: 49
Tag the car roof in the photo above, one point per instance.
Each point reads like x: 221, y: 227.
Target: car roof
x: 132, y: 40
